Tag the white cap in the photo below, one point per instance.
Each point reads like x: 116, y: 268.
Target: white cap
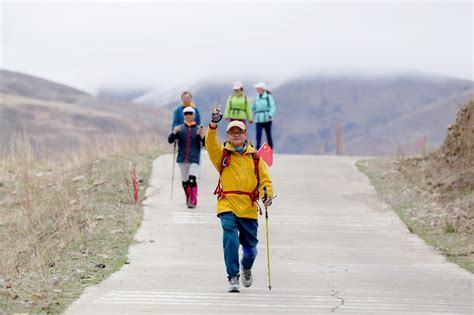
x: 238, y: 85
x: 261, y: 85
x: 188, y: 109
x: 236, y: 123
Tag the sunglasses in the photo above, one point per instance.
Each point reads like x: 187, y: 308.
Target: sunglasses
x: 188, y: 113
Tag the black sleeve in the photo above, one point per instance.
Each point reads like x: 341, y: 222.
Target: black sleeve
x: 172, y: 137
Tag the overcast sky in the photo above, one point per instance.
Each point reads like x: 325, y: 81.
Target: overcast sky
x: 88, y: 44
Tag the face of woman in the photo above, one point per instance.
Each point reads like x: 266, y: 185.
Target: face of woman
x: 236, y: 136
x: 238, y: 92
x: 186, y: 99
x: 260, y: 91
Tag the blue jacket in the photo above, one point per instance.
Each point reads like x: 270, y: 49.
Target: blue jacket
x: 263, y: 108
x: 178, y: 118
x: 189, y: 144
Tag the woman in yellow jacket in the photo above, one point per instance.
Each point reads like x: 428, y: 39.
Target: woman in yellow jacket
x: 238, y: 192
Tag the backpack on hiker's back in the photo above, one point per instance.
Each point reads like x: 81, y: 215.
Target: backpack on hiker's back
x: 263, y: 108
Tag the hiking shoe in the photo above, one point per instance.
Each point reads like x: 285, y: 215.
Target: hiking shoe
x: 247, y: 277
x: 234, y: 284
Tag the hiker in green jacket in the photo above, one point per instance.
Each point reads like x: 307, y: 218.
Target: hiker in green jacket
x: 239, y: 106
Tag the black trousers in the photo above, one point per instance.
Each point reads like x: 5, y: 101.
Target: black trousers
x: 268, y: 130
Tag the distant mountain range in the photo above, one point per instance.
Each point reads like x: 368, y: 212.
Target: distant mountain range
x: 56, y: 118
x: 378, y: 115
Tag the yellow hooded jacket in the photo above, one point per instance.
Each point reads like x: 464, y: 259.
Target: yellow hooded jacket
x: 239, y: 175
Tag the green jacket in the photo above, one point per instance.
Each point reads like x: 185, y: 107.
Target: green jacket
x: 238, y: 107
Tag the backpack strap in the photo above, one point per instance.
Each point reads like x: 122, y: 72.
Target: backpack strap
x: 230, y: 102
x: 256, y: 161
x: 256, y: 191
x: 225, y: 161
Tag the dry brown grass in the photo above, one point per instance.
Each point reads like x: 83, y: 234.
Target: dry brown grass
x: 434, y: 193
x: 52, y: 210
x: 57, y: 127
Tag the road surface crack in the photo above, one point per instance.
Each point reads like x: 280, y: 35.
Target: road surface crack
x: 335, y: 294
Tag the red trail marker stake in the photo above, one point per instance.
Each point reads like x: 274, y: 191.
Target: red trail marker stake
x: 135, y: 185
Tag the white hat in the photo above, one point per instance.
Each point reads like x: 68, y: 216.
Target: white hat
x: 188, y: 109
x: 261, y: 85
x: 238, y: 85
x: 236, y: 123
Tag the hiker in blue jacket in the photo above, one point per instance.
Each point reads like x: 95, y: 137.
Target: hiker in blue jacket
x: 187, y: 101
x: 263, y: 112
x: 190, y: 137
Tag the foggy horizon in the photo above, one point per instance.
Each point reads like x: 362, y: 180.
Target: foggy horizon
x: 104, y: 45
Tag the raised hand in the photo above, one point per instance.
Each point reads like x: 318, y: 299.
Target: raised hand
x: 216, y: 114
x: 177, y: 129
x: 200, y: 131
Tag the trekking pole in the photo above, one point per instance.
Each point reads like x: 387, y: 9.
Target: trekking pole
x: 268, y: 244
x: 172, y: 173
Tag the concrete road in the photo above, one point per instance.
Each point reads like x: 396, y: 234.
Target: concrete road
x: 334, y: 246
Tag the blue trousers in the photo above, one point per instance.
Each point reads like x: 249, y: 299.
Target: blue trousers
x: 268, y: 129
x: 238, y: 231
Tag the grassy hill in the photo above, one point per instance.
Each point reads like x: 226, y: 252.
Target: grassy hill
x: 434, y: 193
x: 67, y: 215
x: 404, y: 132
x: 310, y: 108
x: 56, y: 118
